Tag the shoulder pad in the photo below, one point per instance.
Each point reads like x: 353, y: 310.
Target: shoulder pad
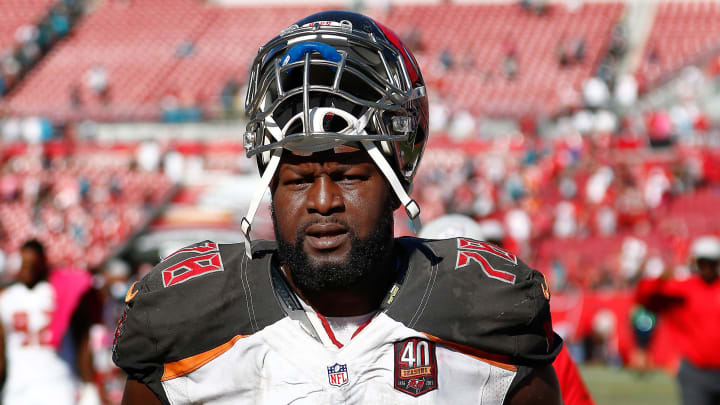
x: 7, y: 284
x: 477, y: 298
x: 195, y: 300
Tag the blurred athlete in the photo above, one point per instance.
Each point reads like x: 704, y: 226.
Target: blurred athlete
x: 34, y: 319
x: 572, y: 387
x: 338, y: 311
x: 692, y: 305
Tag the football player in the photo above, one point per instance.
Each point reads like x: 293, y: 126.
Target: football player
x: 692, y: 306
x: 337, y: 310
x: 38, y: 321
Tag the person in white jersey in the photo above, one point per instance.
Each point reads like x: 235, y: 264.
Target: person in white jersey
x: 337, y: 310
x: 32, y: 336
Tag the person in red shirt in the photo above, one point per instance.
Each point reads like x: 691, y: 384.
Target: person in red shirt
x: 572, y: 387
x: 692, y: 306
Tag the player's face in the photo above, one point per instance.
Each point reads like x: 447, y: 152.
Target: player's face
x: 31, y: 268
x: 327, y: 206
x: 708, y: 269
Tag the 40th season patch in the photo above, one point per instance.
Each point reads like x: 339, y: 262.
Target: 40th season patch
x: 415, y: 366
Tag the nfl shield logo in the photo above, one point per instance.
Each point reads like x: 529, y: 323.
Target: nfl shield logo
x: 337, y: 374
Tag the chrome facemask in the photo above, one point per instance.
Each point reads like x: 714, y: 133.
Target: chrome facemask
x: 304, y: 66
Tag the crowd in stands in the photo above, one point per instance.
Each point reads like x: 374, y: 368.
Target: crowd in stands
x: 38, y: 25
x: 197, y: 64
x: 83, y: 201
x: 682, y: 33
x: 587, y: 212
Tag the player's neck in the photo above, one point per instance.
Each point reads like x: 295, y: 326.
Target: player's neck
x: 357, y: 300
x: 344, y: 303
x: 30, y: 284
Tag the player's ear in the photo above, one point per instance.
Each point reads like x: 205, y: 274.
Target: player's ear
x: 273, y: 184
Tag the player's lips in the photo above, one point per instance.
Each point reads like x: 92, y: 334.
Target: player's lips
x: 326, y: 236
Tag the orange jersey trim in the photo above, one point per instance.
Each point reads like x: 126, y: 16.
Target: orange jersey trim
x: 189, y: 364
x: 490, y: 358
x: 131, y: 293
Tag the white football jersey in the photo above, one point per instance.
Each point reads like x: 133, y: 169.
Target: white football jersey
x: 385, y: 363
x: 35, y: 372
x: 462, y: 324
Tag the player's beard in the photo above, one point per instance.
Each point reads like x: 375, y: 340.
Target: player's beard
x: 363, y: 264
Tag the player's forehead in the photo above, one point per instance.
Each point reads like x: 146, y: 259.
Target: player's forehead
x: 343, y: 155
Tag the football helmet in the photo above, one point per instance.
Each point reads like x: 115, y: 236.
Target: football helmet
x: 334, y: 78
x: 452, y: 226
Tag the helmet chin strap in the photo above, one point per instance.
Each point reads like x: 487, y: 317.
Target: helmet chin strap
x: 265, y: 180
x: 357, y: 126
x: 411, y: 207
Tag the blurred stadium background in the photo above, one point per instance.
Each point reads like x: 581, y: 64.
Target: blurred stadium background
x: 587, y: 132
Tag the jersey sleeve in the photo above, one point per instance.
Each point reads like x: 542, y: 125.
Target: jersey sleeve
x: 134, y: 348
x: 141, y: 347
x: 479, y: 299
x: 197, y: 299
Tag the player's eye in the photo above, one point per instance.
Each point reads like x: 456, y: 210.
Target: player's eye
x: 349, y: 178
x: 299, y: 181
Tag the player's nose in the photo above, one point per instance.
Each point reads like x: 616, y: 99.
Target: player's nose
x: 324, y: 196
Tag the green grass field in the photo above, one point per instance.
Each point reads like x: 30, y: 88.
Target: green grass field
x: 612, y: 386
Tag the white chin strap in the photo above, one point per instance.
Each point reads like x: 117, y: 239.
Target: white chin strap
x: 411, y: 207
x: 313, y: 144
x: 246, y: 223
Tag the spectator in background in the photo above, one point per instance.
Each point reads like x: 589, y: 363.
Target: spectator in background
x: 9, y: 187
x: 538, y: 7
x: 185, y: 48
x: 510, y: 62
x: 633, y: 254
x: 660, y: 129
x: 148, y: 156
x: 596, y: 93
x: 113, y: 283
x: 561, y: 52
x: 601, y: 345
x: 626, y: 91
x: 29, y: 54
x: 59, y: 21
x: 653, y: 56
x: 570, y: 51
x: 462, y: 125
x: 9, y: 67
x: 579, y: 49
x: 618, y: 41
x: 228, y: 95
x: 692, y: 306
x: 96, y: 79
x: 493, y: 232
x: 76, y: 100
x: 26, y: 33
x: 446, y: 59
x: 42, y: 317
